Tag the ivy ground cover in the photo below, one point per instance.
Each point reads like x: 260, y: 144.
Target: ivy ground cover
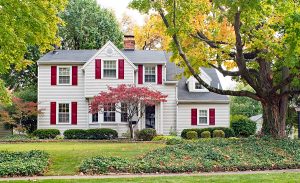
x: 205, y: 155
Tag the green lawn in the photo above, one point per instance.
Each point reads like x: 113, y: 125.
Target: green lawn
x: 254, y: 178
x: 66, y: 156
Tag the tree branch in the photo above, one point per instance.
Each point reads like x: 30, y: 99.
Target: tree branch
x: 193, y: 72
x: 224, y: 72
x: 285, y: 82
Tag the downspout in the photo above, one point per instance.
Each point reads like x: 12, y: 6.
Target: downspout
x: 176, y: 97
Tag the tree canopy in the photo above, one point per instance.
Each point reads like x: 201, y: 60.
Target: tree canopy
x: 88, y: 26
x: 152, y: 35
x: 259, y: 38
x: 26, y: 23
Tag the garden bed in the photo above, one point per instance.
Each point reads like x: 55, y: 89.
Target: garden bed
x: 23, y: 163
x: 203, y: 156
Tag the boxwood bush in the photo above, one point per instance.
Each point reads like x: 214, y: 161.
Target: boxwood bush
x: 46, y: 133
x: 217, y: 154
x: 75, y: 134
x: 146, y: 134
x: 191, y: 135
x: 228, y: 131
x: 23, y: 163
x: 242, y: 126
x: 101, y: 134
x: 218, y: 134
x: 205, y: 134
x: 164, y: 138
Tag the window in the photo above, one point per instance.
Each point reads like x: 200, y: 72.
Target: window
x: 64, y: 75
x: 124, y: 113
x: 150, y: 74
x: 198, y: 86
x: 202, y: 117
x: 95, y: 118
x: 64, y: 113
x: 109, y: 69
x: 109, y: 113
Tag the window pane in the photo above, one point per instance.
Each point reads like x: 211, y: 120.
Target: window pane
x: 124, y: 113
x: 64, y: 75
x: 63, y: 113
x: 202, y: 120
x: 95, y: 117
x: 109, y: 69
x: 150, y: 74
x: 198, y: 86
x: 109, y: 112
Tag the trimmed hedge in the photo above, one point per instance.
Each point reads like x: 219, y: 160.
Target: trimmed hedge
x: 191, y: 135
x: 46, y: 133
x: 75, y: 134
x: 228, y: 131
x: 205, y: 155
x: 23, y: 163
x: 218, y: 134
x: 146, y: 134
x: 164, y: 138
x: 94, y: 134
x: 242, y: 126
x: 205, y: 134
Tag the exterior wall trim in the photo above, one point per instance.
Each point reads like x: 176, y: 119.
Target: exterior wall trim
x: 204, y: 101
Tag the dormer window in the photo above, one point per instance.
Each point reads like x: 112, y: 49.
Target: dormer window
x: 150, y: 74
x: 109, y: 69
x: 198, y: 86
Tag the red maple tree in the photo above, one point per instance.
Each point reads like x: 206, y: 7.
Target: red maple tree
x: 129, y: 100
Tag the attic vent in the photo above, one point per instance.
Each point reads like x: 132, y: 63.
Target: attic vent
x: 109, y: 51
x: 54, y: 52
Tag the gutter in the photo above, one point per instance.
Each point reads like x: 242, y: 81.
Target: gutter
x: 204, y: 101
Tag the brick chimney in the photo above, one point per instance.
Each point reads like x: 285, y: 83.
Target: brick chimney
x: 129, y: 43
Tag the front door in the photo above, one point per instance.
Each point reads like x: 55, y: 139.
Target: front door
x: 150, y: 116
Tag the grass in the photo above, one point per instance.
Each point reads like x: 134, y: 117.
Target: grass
x: 65, y: 157
x: 250, y: 178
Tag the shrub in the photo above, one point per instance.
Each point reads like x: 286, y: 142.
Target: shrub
x: 174, y: 141
x: 217, y: 154
x: 100, y: 165
x: 146, y: 134
x: 205, y: 134
x: 242, y: 126
x: 75, y: 134
x: 46, y: 133
x: 23, y: 163
x: 164, y: 138
x: 219, y: 134
x: 102, y: 134
x: 228, y: 131
x: 191, y: 135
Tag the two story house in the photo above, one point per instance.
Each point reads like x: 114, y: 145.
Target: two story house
x: 69, y: 79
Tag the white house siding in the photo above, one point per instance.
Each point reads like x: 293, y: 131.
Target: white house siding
x: 184, y: 115
x: 94, y: 86
x: 48, y: 93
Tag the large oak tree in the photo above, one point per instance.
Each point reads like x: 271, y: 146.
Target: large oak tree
x: 260, y: 38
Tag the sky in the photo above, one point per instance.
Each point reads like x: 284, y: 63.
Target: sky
x: 121, y: 6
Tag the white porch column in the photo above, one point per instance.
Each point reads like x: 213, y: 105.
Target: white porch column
x: 161, y: 117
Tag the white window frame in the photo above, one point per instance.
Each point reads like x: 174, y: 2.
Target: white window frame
x: 64, y: 84
x: 144, y: 69
x: 110, y: 121
x: 94, y: 122
x: 102, y: 69
x: 197, y: 89
x: 57, y: 113
x: 207, y: 116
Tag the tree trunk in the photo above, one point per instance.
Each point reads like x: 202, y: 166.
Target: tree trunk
x: 274, y: 119
x: 131, y: 129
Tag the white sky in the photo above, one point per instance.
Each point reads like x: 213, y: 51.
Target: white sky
x: 121, y: 6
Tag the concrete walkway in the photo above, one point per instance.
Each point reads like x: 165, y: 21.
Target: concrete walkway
x: 149, y: 175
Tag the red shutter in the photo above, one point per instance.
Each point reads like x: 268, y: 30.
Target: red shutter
x: 74, y: 75
x: 121, y: 68
x: 98, y: 68
x: 74, y: 113
x: 159, y: 74
x: 53, y: 113
x: 212, y: 116
x: 53, y: 75
x: 140, y: 74
x: 194, y: 116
